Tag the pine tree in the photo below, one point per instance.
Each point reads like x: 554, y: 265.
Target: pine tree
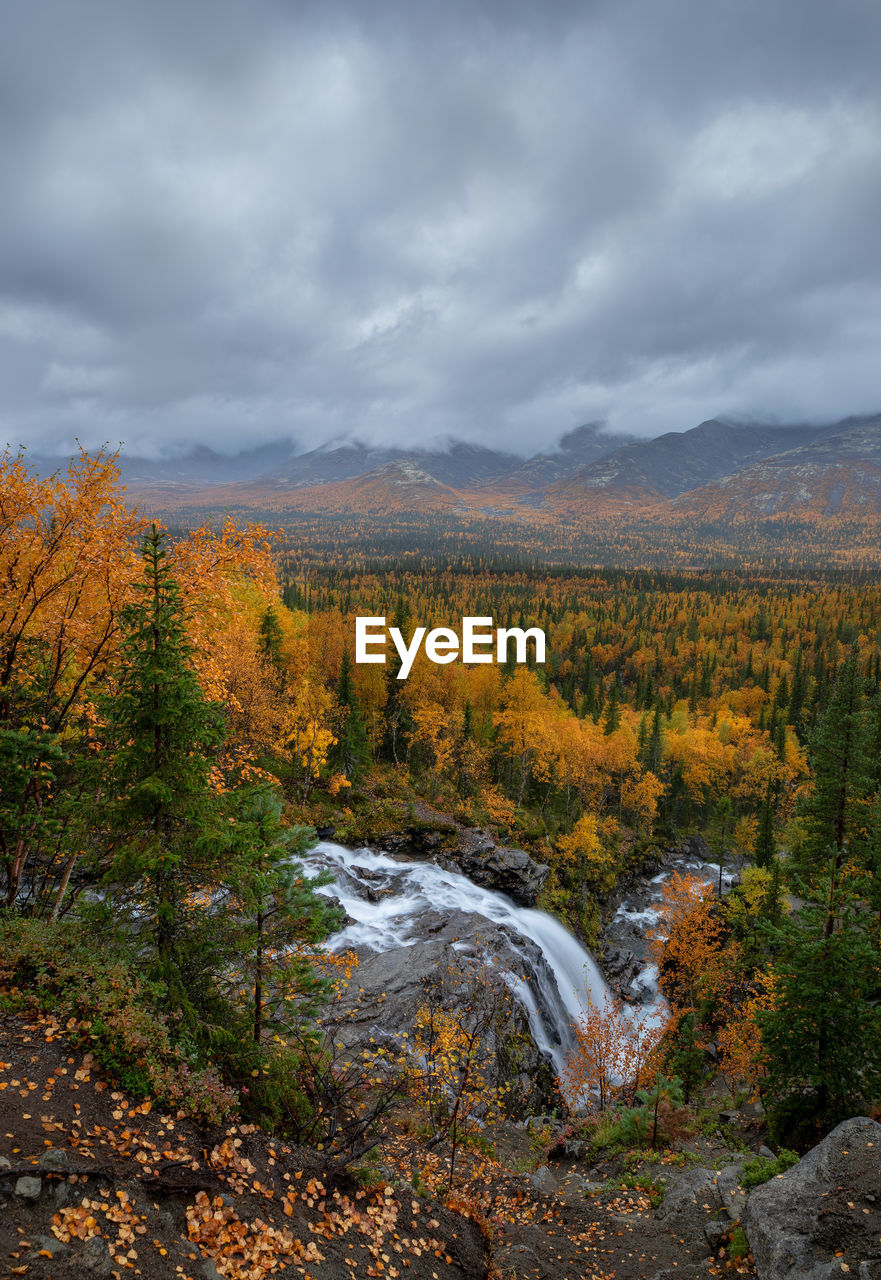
x: 165, y: 821
x: 279, y: 916
x: 612, y: 717
x: 351, y: 751
x: 191, y: 863
x: 821, y: 1038
x: 765, y: 848
x: 270, y: 639
x: 834, y: 815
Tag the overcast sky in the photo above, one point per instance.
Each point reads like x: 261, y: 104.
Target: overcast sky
x: 229, y: 222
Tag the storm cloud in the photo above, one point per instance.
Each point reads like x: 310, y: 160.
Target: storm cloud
x: 228, y: 223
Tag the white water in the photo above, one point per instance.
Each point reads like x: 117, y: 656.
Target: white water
x: 564, y: 981
x: 647, y: 917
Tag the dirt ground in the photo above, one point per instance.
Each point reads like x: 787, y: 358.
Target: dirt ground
x: 101, y: 1185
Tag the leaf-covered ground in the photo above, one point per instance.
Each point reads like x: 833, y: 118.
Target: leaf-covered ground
x: 123, y: 1188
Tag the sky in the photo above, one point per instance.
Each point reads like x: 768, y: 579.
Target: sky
x: 227, y: 223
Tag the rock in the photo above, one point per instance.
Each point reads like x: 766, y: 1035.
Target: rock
x: 28, y: 1188
x: 543, y: 1181
x: 694, y: 847
x: 688, y: 1188
x: 715, y: 1232
x: 729, y: 1190
x: 766, y: 1153
x: 95, y: 1257
x: 508, y: 871
x: 729, y: 1117
x: 391, y: 985
x: 325, y: 833
x: 809, y: 1222
x: 4, y: 1164
x: 61, y: 1192
x: 49, y: 1244
x: 54, y: 1159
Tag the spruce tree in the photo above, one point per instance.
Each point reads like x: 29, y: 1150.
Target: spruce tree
x: 834, y: 815
x: 351, y: 751
x: 165, y: 822
x: 271, y: 637
x: 821, y: 1038
x: 765, y: 847
x: 193, y: 866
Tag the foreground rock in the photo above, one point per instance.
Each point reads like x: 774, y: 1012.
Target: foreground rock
x: 389, y: 986
x: 822, y: 1218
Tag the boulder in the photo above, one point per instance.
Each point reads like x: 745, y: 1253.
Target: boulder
x: 729, y: 1190
x: 688, y: 1188
x: 822, y: 1217
x: 543, y: 1181
x: 55, y: 1159
x: 508, y: 871
x: 389, y: 986
x: 28, y: 1188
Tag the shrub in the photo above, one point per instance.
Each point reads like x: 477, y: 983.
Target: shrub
x: 764, y: 1168
x: 104, y: 1006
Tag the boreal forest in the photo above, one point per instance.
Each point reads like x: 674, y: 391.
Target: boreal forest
x: 685, y: 796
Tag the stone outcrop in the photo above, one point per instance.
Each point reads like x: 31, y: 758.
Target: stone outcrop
x: 389, y: 986
x: 822, y: 1218
x: 508, y: 871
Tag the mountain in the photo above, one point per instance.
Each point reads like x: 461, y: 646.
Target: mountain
x: 835, y: 476
x: 576, y: 449
x: 196, y: 468
x: 460, y: 465
x: 649, y: 471
x: 718, y: 470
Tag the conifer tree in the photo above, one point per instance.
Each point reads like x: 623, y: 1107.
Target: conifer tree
x: 765, y: 847
x: 834, y: 814
x: 821, y: 1037
x: 193, y: 866
x: 165, y: 822
x: 351, y: 750
x: 270, y: 639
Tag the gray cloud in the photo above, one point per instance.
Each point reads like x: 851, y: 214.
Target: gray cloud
x: 227, y: 222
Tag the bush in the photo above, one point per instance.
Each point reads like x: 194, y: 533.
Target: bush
x: 105, y: 1007
x: 764, y: 1168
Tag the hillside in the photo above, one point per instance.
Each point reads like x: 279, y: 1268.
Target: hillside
x: 718, y: 472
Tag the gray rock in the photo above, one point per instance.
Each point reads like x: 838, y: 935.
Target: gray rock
x: 95, y: 1257
x: 509, y: 871
x: 49, y: 1244
x: 687, y: 1188
x: 715, y: 1232
x: 5, y: 1164
x: 28, y: 1188
x: 61, y: 1192
x: 766, y: 1153
x: 543, y: 1181
x: 389, y: 987
x: 730, y: 1192
x: 54, y: 1159
x: 797, y: 1222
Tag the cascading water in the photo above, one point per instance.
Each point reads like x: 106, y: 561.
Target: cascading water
x: 386, y: 896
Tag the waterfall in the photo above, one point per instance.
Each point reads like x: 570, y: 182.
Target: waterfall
x: 385, y: 897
